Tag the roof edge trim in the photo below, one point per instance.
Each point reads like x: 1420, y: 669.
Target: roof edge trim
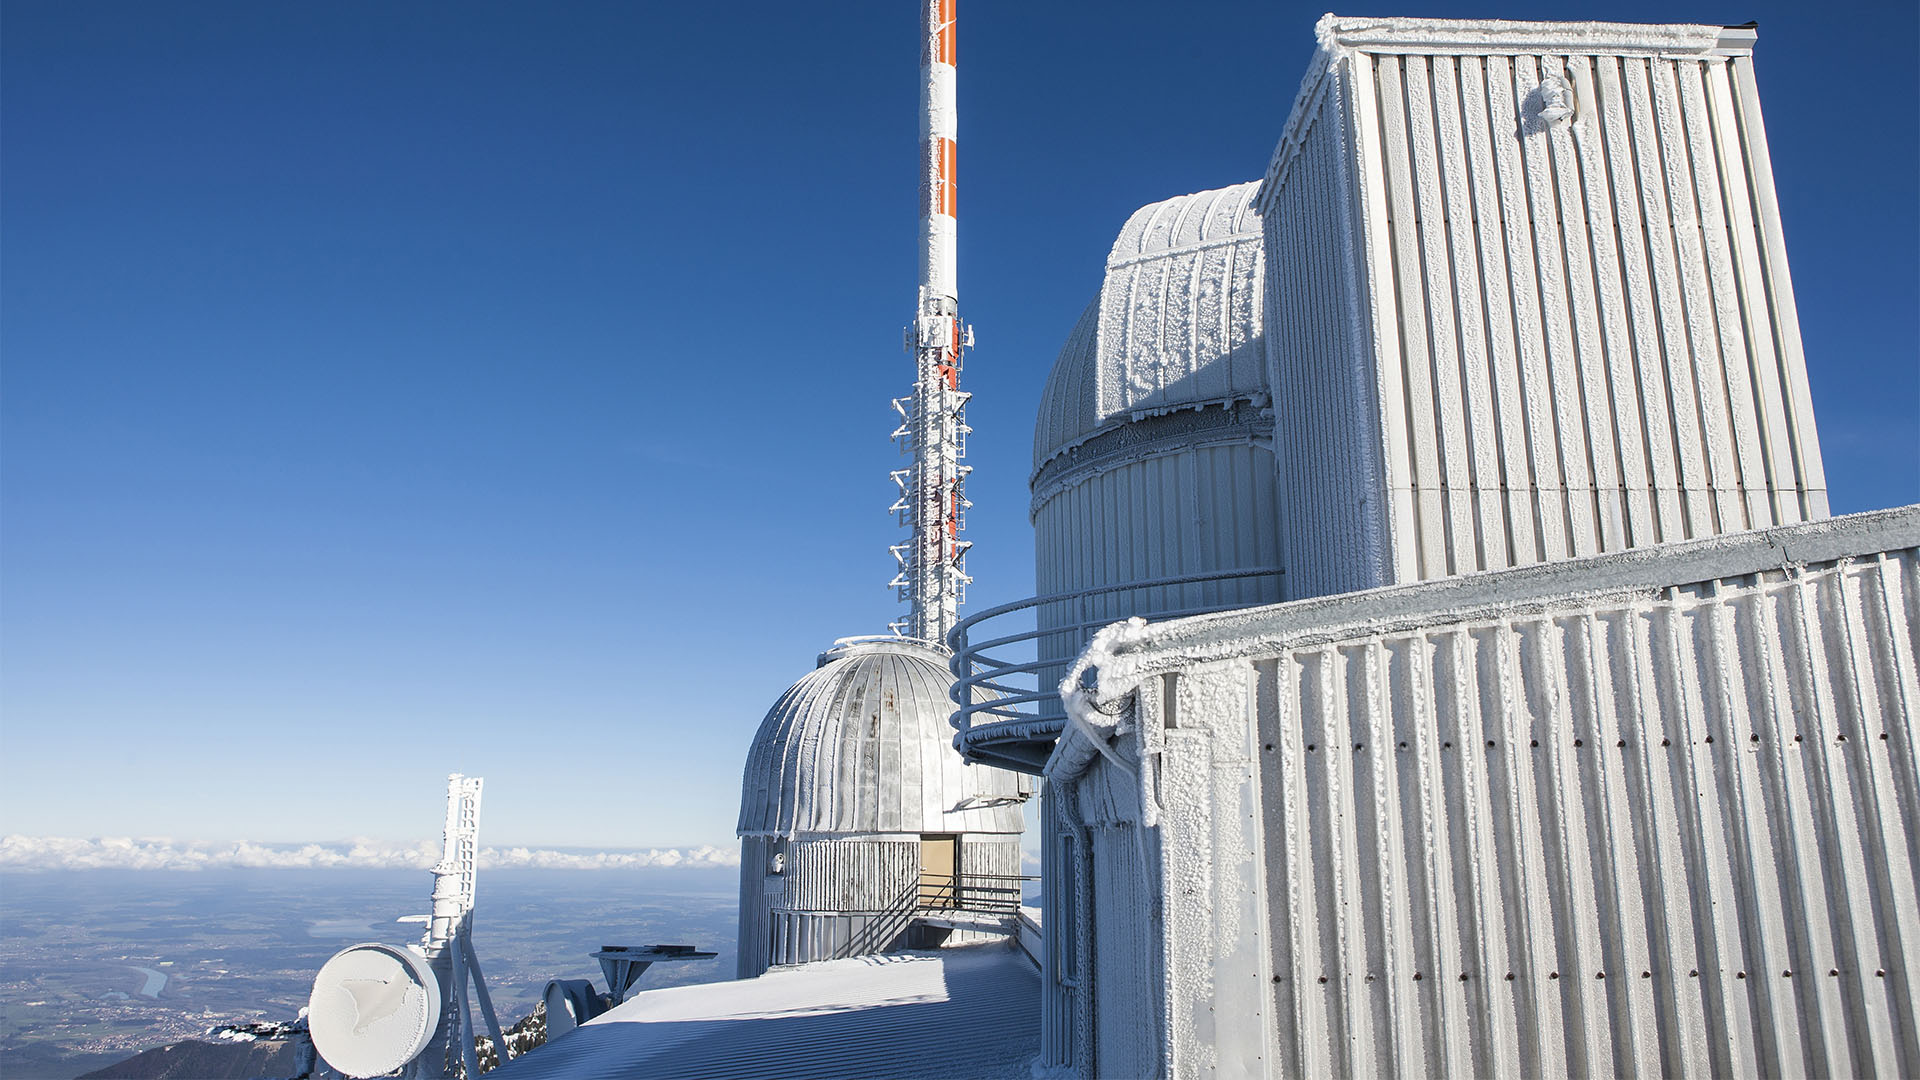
x: 1123, y: 655
x: 1340, y: 36
x: 1508, y: 35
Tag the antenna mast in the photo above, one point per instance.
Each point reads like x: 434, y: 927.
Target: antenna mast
x: 933, y: 502
x: 447, y: 942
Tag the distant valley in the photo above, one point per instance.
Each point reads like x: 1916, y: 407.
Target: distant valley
x: 97, y: 965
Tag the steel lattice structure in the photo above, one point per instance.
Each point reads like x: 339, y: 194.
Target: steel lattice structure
x: 932, y: 578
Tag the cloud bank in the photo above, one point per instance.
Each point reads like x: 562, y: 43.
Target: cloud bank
x: 155, y: 853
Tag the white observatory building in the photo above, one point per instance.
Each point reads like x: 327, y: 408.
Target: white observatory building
x: 1510, y: 704
x: 1580, y: 741
x: 856, y: 812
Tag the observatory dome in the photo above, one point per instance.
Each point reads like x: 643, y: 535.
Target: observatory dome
x: 861, y: 744
x: 1176, y: 324
x: 1154, y: 484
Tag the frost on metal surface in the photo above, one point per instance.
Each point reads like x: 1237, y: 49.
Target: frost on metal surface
x: 850, y: 768
x: 1529, y: 299
x: 1177, y: 323
x: 1152, y: 454
x: 1655, y: 812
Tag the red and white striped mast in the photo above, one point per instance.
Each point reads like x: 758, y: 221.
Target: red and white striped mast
x: 933, y: 578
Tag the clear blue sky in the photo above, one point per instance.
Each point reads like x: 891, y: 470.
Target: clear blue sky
x: 389, y: 390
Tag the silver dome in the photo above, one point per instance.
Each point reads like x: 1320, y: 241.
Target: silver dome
x: 861, y: 744
x: 1176, y: 324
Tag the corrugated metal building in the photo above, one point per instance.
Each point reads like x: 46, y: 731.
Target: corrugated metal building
x: 850, y: 787
x: 1528, y: 299
x: 1649, y: 813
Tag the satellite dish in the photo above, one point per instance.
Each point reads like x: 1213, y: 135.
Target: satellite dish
x: 374, y: 1008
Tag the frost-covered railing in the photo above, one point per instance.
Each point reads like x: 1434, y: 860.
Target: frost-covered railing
x: 1008, y: 660
x: 992, y: 894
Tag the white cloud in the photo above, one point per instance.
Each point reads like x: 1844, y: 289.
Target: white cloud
x: 159, y: 853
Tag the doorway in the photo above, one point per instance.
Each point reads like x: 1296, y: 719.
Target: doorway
x: 940, y: 872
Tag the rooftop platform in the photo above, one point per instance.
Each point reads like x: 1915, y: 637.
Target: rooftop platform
x: 873, y: 1016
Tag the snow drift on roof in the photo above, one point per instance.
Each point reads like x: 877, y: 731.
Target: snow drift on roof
x: 966, y: 1012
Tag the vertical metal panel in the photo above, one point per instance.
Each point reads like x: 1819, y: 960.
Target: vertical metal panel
x: 992, y: 856
x: 1205, y: 508
x: 1619, y: 816
x: 850, y: 875
x: 1779, y: 296
x: 1634, y: 386
x: 1585, y: 329
x: 751, y: 944
x: 1330, y: 479
x: 1646, y: 813
x: 1128, y: 999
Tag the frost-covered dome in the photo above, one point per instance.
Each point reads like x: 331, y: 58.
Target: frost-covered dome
x: 1176, y: 324
x: 861, y: 744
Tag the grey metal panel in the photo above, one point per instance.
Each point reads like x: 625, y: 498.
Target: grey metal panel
x: 1577, y: 335
x: 1127, y: 1002
x: 861, y: 745
x: 850, y: 875
x: 990, y: 855
x: 801, y: 937
x: 1177, y: 322
x: 752, y: 948
x: 1206, y: 508
x: 1655, y: 812
x: 1330, y: 477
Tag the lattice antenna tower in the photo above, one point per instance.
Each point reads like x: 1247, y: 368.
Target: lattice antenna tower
x: 448, y: 938
x: 932, y: 577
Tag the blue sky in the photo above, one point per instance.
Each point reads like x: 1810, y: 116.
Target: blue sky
x: 391, y: 390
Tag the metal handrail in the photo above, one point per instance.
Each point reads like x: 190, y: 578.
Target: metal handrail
x: 995, y: 693
x: 967, y: 892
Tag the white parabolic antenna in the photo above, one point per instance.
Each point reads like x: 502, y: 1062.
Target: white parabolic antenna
x: 374, y: 1008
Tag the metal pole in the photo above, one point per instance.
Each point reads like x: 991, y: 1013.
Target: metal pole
x: 933, y: 561
x: 486, y: 1005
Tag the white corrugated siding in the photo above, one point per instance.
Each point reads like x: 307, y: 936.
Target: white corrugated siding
x: 1652, y: 814
x: 851, y: 875
x: 1204, y: 509
x: 1667, y: 836
x: 1585, y: 331
x: 1124, y: 1031
x: 1331, y: 513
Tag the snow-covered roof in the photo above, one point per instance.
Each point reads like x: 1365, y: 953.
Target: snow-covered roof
x: 1176, y: 324
x: 861, y: 744
x: 972, y: 1012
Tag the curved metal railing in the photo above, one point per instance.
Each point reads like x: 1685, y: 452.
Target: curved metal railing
x: 1005, y: 693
